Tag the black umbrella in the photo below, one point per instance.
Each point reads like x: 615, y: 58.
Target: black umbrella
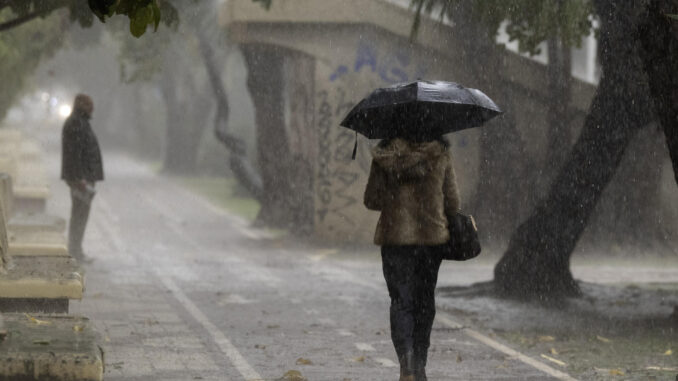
x: 420, y: 109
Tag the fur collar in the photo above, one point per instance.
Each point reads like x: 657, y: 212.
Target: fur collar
x: 407, y: 160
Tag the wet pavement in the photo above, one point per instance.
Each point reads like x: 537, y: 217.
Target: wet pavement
x: 182, y: 290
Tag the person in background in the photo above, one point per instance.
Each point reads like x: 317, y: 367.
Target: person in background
x: 81, y: 168
x: 412, y: 184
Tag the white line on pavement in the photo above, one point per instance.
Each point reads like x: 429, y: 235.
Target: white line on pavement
x: 243, y: 367
x: 225, y: 345
x: 445, y: 319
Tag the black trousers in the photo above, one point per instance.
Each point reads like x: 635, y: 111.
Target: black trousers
x: 411, y: 273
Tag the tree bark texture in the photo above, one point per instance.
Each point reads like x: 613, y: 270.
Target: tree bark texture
x: 537, y: 261
x: 302, y: 139
x: 559, y: 113
x: 239, y: 164
x: 266, y: 84
x: 659, y: 37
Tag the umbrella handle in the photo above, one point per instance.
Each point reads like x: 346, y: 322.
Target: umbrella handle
x: 355, y: 147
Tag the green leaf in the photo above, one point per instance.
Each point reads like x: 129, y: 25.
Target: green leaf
x: 156, y: 16
x: 141, y: 19
x: 675, y: 17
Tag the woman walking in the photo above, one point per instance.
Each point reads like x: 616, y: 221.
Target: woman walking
x: 412, y: 183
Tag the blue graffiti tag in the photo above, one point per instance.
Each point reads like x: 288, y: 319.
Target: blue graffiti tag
x: 391, y: 67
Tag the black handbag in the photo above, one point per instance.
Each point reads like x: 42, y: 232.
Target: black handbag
x: 464, y: 243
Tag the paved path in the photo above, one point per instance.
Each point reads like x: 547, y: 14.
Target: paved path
x: 184, y: 291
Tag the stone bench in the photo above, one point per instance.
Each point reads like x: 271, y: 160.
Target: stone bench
x: 49, y: 347
x: 40, y: 284
x: 32, y: 234
x: 39, y: 244
x: 35, y: 281
x: 22, y: 159
x: 31, y: 190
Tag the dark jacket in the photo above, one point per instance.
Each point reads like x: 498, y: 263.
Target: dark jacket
x: 80, y: 153
x: 413, y: 185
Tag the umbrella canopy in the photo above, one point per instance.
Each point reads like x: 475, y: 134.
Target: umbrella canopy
x: 420, y: 109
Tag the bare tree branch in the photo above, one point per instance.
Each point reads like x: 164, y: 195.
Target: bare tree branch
x: 26, y: 18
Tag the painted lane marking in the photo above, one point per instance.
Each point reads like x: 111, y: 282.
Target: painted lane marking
x: 445, y: 319
x: 365, y: 347
x: 224, y: 344
x: 243, y: 367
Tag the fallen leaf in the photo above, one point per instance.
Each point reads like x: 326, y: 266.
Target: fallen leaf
x: 41, y: 342
x: 272, y: 326
x: 459, y: 358
x: 603, y: 339
x: 292, y: 375
x: 303, y: 361
x: 78, y: 328
x: 554, y: 352
x: 359, y: 359
x: 616, y: 372
x: 555, y: 361
x: 668, y: 353
x: 38, y: 321
x: 545, y: 339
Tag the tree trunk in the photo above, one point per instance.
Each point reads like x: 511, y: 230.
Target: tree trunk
x: 265, y: 82
x: 239, y: 164
x: 537, y: 261
x: 183, y: 132
x: 659, y: 37
x: 558, y: 118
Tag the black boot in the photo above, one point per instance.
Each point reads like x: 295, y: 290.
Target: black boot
x: 407, y: 366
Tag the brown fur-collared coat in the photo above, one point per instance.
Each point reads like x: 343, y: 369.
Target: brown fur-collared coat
x: 414, y: 187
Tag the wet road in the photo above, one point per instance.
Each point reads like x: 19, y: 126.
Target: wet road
x: 182, y: 290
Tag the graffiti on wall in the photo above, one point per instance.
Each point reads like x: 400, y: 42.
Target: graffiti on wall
x: 391, y: 67
x: 339, y: 177
x: 334, y: 181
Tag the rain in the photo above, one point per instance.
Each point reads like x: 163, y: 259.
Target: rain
x: 344, y: 190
